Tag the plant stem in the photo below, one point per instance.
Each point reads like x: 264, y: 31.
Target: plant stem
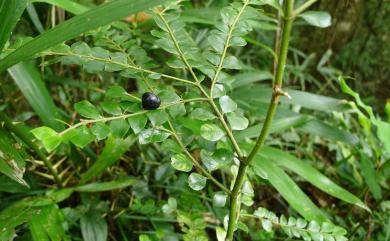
x: 276, y: 92
x: 27, y: 139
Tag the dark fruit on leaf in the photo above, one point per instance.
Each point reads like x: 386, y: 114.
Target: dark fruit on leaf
x: 150, y: 101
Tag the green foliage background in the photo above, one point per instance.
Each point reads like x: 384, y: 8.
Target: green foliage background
x: 81, y: 160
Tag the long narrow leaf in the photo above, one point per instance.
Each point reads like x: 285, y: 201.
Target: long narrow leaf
x: 10, y: 12
x: 12, y: 163
x: 312, y: 175
x: 290, y: 191
x: 318, y: 128
x: 72, y: 28
x: 68, y: 5
x: 29, y: 81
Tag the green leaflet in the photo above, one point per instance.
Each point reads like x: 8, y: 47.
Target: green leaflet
x: 72, y: 28
x: 311, y: 175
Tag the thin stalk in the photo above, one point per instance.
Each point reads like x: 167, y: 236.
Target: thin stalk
x: 110, y: 61
x: 276, y: 93
x: 105, y: 119
x: 24, y: 137
x: 196, y: 164
x: 303, y: 7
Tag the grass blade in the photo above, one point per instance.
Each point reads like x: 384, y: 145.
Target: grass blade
x: 290, y: 191
x: 319, y: 128
x: 10, y: 12
x: 311, y: 175
x: 113, y: 150
x: 68, y: 5
x: 370, y: 176
x: 72, y: 28
x: 29, y: 81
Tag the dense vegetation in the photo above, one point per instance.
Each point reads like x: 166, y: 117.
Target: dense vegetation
x: 194, y: 120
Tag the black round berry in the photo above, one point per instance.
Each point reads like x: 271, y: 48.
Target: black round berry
x: 150, y: 101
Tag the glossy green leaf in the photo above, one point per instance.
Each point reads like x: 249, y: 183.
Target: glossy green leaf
x: 111, y: 107
x: 72, y: 28
x: 87, y: 110
x: 237, y: 121
x: 119, y: 127
x: 111, y: 153
x: 181, y: 162
x: 231, y: 62
x: 151, y: 136
x: 219, y: 199
x: 49, y: 137
x: 202, y: 114
x: 317, y: 18
x: 116, y: 91
x: 227, y: 104
x: 311, y: 174
x: 100, y: 130
x: 157, y: 117
x: 211, y: 132
x: 196, y: 181
x: 138, y: 123
x: 217, y: 159
x: 81, y: 136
